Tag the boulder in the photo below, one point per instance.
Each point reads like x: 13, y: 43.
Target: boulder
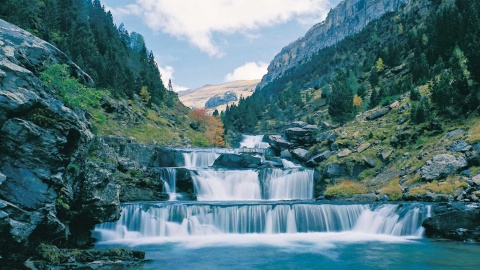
x: 335, y: 170
x: 300, y: 154
x: 386, y: 154
x: 442, y: 165
x: 454, y: 133
x: 459, y: 146
x: 298, y: 124
x: 235, y: 161
x: 166, y: 157
x: 279, y: 143
x: 378, y: 114
x: 473, y: 156
x: 476, y: 180
x: 363, y: 147
x: 370, y: 162
x: 318, y: 158
x: 286, y: 154
x: 301, y: 135
x: 455, y: 222
x: 345, y: 152
x: 329, y: 136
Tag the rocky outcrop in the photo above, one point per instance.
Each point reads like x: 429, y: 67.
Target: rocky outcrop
x: 442, y: 165
x: 454, y: 221
x: 218, y: 100
x: 42, y: 144
x: 348, y: 18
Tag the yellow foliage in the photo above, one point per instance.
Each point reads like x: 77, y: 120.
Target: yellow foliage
x: 394, y: 190
x: 357, y: 101
x: 447, y: 187
x: 214, y: 131
x: 346, y: 189
x: 145, y: 95
x: 379, y: 65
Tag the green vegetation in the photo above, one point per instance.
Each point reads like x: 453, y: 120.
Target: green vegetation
x: 393, y: 190
x: 446, y: 187
x: 345, y: 189
x: 432, y: 55
x: 115, y: 59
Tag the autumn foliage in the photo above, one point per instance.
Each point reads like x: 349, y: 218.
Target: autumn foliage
x: 211, y: 125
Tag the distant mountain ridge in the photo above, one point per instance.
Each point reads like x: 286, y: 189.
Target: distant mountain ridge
x: 218, y: 95
x: 349, y: 17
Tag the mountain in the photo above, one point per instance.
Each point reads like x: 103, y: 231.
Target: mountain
x: 347, y: 18
x: 391, y: 109
x: 216, y: 97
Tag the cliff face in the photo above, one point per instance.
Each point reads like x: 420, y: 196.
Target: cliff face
x: 349, y: 17
x: 42, y: 147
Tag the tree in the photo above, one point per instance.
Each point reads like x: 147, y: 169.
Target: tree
x: 145, y: 95
x: 170, y: 86
x: 374, y: 99
x: 340, y: 105
x: 214, y: 131
x: 357, y: 102
x: 379, y: 65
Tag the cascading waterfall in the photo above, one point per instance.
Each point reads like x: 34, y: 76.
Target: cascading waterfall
x: 266, y: 184
x: 291, y: 184
x: 220, y: 185
x: 169, y: 177
x: 199, y: 159
x: 185, y: 220
x: 253, y: 141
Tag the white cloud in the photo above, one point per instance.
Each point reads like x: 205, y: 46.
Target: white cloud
x: 197, y: 21
x: 248, y: 71
x: 167, y: 74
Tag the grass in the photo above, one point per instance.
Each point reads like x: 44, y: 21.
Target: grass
x: 447, y: 187
x: 393, y: 190
x: 346, y: 189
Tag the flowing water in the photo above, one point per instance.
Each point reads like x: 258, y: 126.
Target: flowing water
x: 267, y: 219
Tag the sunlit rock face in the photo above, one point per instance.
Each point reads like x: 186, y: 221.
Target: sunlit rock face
x: 348, y: 18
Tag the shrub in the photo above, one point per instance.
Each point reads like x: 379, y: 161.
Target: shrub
x: 394, y: 190
x: 345, y: 189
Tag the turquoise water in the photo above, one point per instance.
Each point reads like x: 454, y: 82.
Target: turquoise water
x: 328, y: 251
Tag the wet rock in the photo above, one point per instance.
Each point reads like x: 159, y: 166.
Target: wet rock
x: 455, y: 222
x: 363, y: 147
x: 442, y: 165
x: 345, y: 152
x: 300, y: 154
x: 235, y: 161
x: 381, y: 113
x: 51, y: 257
x: 165, y: 157
x: 286, y: 154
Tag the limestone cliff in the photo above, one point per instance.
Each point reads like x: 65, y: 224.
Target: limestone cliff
x: 44, y: 194
x: 349, y: 17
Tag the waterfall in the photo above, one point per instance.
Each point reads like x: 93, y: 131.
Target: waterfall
x: 253, y: 141
x: 200, y: 159
x: 288, y: 184
x: 289, y: 164
x: 266, y: 184
x: 170, y: 220
x: 169, y: 178
x: 222, y: 185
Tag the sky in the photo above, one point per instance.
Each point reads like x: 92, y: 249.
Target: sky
x: 202, y: 42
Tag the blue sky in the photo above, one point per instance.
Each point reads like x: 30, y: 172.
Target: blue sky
x: 199, y: 42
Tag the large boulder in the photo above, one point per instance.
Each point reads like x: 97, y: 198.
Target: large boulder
x: 335, y: 170
x: 235, y: 161
x: 454, y: 221
x: 329, y: 136
x: 318, y: 158
x: 300, y: 154
x: 380, y: 113
x: 442, y: 165
x: 278, y: 143
x: 302, y: 135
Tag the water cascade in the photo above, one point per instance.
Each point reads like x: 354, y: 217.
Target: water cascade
x: 254, y: 203
x: 186, y: 220
x: 253, y: 142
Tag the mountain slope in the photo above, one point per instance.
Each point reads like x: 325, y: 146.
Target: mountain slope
x: 392, y: 110
x: 198, y: 98
x: 347, y: 18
